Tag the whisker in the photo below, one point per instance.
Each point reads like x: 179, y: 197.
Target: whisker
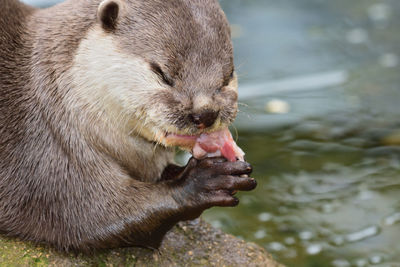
x: 236, y: 132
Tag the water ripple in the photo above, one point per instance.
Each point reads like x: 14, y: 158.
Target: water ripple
x: 362, y: 234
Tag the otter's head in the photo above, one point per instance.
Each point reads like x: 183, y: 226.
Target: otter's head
x: 159, y: 67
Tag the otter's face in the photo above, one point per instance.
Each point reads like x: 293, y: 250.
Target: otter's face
x: 160, y: 67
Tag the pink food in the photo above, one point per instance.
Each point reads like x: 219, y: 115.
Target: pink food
x: 217, y: 144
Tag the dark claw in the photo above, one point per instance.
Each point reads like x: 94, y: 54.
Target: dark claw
x: 248, y: 184
x: 235, y: 201
x: 254, y: 182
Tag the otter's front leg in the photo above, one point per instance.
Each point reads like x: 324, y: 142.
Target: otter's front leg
x: 153, y: 209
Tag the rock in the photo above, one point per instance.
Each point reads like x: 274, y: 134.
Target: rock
x: 193, y: 243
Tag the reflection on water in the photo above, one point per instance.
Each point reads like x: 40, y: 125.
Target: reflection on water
x: 319, y: 121
x: 315, y: 81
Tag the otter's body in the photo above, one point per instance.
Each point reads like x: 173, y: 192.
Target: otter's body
x: 80, y: 97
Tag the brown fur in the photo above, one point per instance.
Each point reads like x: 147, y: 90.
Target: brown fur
x: 65, y: 179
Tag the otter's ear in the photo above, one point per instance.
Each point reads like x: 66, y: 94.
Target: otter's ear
x: 107, y: 14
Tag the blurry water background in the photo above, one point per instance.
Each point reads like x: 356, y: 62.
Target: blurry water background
x: 320, y: 102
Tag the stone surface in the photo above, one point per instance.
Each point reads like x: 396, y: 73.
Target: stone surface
x: 193, y: 243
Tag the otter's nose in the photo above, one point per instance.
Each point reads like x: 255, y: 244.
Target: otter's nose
x: 204, y: 119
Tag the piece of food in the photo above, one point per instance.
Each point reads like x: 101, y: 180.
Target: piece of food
x: 217, y: 144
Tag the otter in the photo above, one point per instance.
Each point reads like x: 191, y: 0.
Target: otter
x: 89, y: 93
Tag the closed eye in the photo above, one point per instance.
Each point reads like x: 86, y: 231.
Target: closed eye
x: 163, y: 76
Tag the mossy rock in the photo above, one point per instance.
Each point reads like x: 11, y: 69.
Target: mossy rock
x: 193, y: 243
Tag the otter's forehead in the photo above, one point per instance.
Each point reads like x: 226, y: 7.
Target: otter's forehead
x: 186, y: 20
x: 191, y: 38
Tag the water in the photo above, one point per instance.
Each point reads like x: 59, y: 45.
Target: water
x: 319, y: 200
x: 319, y: 121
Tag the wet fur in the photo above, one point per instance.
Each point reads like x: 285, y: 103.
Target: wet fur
x: 79, y: 168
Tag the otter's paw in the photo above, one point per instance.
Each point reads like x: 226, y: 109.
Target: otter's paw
x: 213, y: 182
